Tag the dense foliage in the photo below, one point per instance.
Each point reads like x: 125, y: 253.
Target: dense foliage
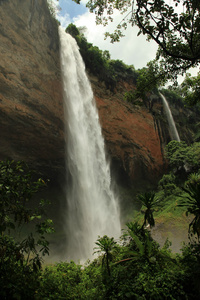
x: 190, y: 89
x: 98, y: 62
x: 135, y: 267
x: 174, y: 26
x: 138, y: 270
x: 22, y: 231
x: 183, y: 158
x: 148, y: 80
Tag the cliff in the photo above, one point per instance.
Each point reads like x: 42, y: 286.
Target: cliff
x: 31, y: 110
x: 131, y: 136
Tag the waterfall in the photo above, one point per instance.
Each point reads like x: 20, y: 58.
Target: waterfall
x: 92, y: 208
x: 172, y: 126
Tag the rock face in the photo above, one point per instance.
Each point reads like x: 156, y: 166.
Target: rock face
x: 31, y: 110
x: 131, y: 136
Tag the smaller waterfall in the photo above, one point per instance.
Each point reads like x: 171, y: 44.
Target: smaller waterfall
x: 172, y: 126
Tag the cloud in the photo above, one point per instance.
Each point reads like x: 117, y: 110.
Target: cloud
x: 131, y: 49
x: 69, y: 9
x: 65, y: 20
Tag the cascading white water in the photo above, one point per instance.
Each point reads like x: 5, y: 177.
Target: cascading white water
x: 172, y: 126
x: 92, y: 208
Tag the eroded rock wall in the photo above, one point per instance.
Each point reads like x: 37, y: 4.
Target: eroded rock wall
x: 132, y: 137
x: 31, y: 109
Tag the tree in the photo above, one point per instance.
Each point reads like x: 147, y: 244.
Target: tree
x: 174, y: 96
x: 20, y: 254
x: 176, y: 154
x: 191, y: 89
x: 149, y: 201
x: 106, y: 246
x: 174, y: 26
x: 192, y: 202
x: 106, y: 55
x: 72, y: 30
x: 183, y: 158
x: 17, y: 187
x: 148, y: 81
x: 167, y: 184
x: 95, y: 59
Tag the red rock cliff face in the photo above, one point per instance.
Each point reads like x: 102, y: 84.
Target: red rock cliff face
x: 131, y: 135
x: 31, y: 110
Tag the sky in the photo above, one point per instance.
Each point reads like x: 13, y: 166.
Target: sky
x: 132, y: 49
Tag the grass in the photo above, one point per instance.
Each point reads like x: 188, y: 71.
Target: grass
x: 170, y: 219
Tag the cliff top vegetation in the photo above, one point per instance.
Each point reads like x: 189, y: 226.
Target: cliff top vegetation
x: 99, y: 63
x: 172, y: 25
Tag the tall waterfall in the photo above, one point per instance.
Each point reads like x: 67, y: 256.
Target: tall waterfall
x: 172, y: 126
x: 92, y: 208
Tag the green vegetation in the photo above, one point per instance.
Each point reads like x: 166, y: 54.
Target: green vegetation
x: 98, y: 62
x: 191, y: 89
x: 186, y: 114
x: 21, y: 250
x: 106, y: 246
x: 138, y: 269
x: 183, y: 158
x: 173, y: 96
x: 135, y: 267
x: 149, y: 201
x: 192, y: 202
x: 174, y: 26
x: 149, y: 79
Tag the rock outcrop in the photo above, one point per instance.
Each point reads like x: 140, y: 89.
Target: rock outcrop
x: 31, y: 109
